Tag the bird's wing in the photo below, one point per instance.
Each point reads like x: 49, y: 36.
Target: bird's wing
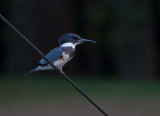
x: 52, y: 55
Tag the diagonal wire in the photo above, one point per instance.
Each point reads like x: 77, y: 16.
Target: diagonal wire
x: 63, y: 74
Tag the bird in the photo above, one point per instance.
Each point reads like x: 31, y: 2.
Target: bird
x: 59, y: 56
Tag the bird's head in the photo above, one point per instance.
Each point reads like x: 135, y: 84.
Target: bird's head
x: 72, y: 39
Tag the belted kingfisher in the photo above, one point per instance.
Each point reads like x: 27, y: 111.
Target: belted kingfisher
x: 62, y: 54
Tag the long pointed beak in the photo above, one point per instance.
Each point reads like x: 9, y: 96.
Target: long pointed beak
x: 86, y: 41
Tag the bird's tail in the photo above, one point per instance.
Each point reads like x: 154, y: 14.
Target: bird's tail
x: 30, y: 72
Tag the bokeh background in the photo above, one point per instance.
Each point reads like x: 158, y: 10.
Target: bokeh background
x: 120, y: 72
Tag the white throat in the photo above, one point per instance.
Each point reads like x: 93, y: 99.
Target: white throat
x: 69, y: 44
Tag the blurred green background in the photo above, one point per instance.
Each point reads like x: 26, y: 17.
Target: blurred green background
x: 120, y: 72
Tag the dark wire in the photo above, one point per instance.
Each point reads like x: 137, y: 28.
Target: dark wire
x: 63, y: 74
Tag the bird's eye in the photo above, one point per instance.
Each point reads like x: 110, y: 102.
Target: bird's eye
x: 77, y: 38
x: 74, y: 37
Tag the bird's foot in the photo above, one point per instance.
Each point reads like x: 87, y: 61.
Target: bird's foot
x: 62, y: 71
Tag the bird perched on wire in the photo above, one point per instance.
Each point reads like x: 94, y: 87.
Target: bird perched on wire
x: 62, y: 54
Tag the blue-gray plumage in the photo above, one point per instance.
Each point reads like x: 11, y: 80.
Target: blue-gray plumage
x: 62, y: 54
x: 52, y: 55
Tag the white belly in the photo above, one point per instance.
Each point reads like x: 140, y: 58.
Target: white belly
x: 62, y: 61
